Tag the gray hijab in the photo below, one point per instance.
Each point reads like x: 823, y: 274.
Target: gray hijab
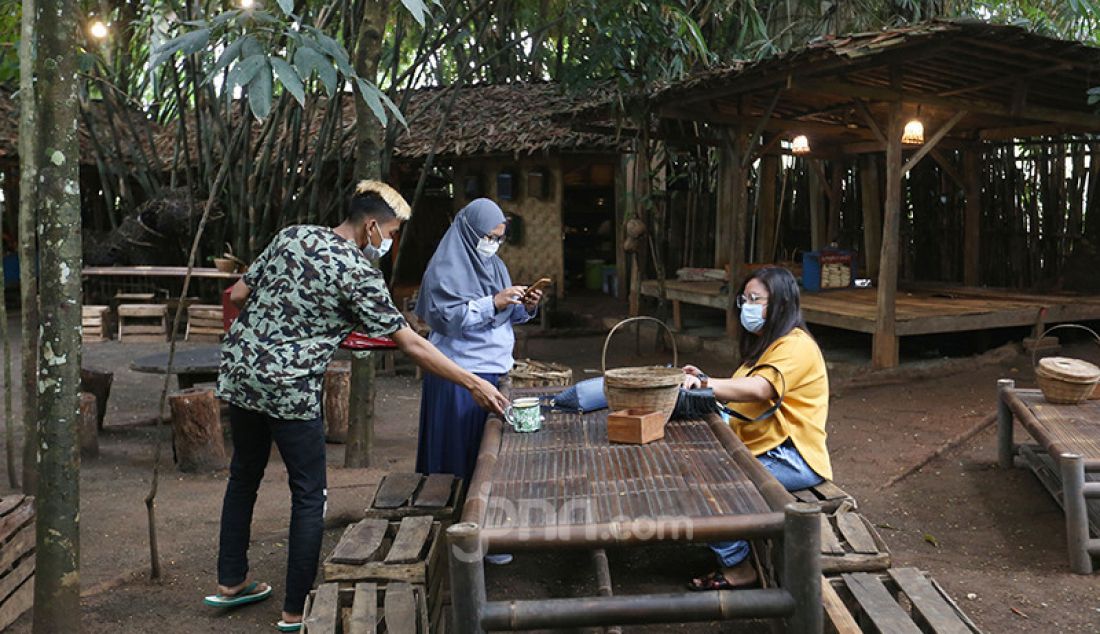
x: 457, y: 273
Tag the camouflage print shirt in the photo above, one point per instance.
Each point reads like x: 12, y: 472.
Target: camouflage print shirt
x: 309, y: 289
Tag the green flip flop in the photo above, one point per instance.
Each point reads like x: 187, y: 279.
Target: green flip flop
x: 283, y: 626
x: 244, y: 597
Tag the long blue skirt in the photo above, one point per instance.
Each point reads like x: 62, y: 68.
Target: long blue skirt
x: 451, y: 424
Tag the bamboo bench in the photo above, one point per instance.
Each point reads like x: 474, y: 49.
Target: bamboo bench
x: 901, y: 601
x: 16, y: 557
x: 397, y: 608
x: 1066, y: 460
x: 399, y: 495
x: 407, y: 552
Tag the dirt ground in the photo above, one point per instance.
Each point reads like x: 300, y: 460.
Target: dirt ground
x: 993, y: 538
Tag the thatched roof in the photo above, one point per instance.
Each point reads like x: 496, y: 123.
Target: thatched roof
x: 1010, y: 81
x: 140, y: 125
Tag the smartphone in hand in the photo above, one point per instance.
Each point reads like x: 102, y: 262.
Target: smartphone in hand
x: 541, y: 284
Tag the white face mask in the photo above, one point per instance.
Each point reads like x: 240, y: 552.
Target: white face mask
x: 376, y: 252
x: 487, y: 247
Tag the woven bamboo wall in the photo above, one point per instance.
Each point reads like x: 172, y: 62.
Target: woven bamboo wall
x: 539, y: 253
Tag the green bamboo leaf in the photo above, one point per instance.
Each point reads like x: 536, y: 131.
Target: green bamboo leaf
x: 394, y: 109
x: 287, y: 6
x: 194, y: 41
x: 289, y: 79
x: 224, y: 16
x: 308, y: 61
x: 332, y: 47
x: 417, y: 9
x: 251, y: 47
x: 231, y: 53
x: 259, y: 92
x: 243, y: 71
x: 370, y: 95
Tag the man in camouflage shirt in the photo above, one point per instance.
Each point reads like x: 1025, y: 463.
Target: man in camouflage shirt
x: 301, y: 297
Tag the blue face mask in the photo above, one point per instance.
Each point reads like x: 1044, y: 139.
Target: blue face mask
x: 752, y: 317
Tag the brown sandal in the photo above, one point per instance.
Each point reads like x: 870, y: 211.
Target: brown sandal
x: 714, y: 581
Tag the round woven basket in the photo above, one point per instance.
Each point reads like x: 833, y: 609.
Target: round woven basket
x: 650, y: 388
x: 1063, y: 380
x: 528, y: 373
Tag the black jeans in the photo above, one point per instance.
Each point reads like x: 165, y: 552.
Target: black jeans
x: 302, y: 445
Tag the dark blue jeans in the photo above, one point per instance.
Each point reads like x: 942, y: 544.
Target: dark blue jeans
x: 302, y: 445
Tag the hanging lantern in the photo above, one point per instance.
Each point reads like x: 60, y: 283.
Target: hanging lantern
x: 913, y: 133
x: 800, y: 145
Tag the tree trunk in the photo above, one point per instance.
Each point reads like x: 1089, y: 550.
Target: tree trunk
x: 98, y: 382
x: 337, y: 393
x: 89, y: 431
x: 357, y: 452
x: 57, y: 579
x: 197, y: 430
x: 9, y: 424
x: 28, y: 249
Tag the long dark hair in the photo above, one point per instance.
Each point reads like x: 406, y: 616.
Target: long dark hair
x: 784, y: 311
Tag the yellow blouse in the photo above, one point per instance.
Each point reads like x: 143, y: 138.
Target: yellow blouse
x: 805, y: 403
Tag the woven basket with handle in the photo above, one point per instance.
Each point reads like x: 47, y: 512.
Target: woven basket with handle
x: 1063, y: 380
x: 650, y: 388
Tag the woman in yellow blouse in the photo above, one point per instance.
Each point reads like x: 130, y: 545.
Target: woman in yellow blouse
x: 778, y: 357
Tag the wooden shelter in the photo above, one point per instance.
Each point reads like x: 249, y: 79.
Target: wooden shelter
x: 972, y: 85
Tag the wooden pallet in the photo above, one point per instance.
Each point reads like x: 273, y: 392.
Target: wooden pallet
x: 399, y: 495
x: 16, y: 557
x: 828, y: 495
x: 901, y: 601
x: 204, y: 323
x: 396, y: 608
x: 850, y: 543
x: 142, y: 322
x: 93, y: 323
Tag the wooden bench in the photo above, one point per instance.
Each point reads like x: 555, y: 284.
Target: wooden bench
x: 16, y: 557
x: 142, y: 322
x: 93, y: 324
x: 399, y: 495
x: 850, y: 543
x: 409, y: 552
x: 204, y: 323
x: 1066, y: 460
x: 901, y: 601
x: 828, y: 495
x: 368, y: 608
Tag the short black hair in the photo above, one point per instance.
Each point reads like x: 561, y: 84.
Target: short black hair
x: 784, y: 312
x: 368, y: 204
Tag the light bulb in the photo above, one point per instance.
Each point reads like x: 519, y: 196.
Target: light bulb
x: 98, y: 30
x: 800, y: 145
x: 913, y: 133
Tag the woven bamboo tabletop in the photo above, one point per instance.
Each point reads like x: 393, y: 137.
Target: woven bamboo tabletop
x: 569, y: 464
x: 1060, y: 429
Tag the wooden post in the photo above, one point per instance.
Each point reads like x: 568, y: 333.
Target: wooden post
x: 836, y: 192
x: 1077, y: 519
x: 765, y: 209
x: 884, y: 353
x: 197, y: 430
x: 972, y: 222
x: 360, y: 439
x: 723, y: 208
x: 89, y: 429
x: 624, y: 202
x: 1006, y: 447
x: 871, y: 199
x: 738, y: 202
x: 337, y: 395
x: 817, y: 213
x: 98, y: 382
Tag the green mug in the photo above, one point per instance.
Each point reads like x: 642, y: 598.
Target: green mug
x: 524, y: 414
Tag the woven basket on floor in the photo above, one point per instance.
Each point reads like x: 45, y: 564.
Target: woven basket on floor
x: 650, y: 388
x: 528, y: 373
x: 1063, y: 380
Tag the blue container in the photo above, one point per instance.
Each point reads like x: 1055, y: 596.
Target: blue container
x: 11, y: 270
x: 814, y: 262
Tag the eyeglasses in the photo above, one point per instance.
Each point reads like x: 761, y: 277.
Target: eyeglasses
x: 497, y: 239
x: 751, y: 298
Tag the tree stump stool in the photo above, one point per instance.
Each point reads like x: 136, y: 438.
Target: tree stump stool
x: 97, y: 382
x: 197, y: 431
x: 337, y: 395
x: 89, y: 428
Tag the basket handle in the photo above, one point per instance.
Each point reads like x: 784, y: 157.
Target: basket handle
x: 675, y: 355
x: 1035, y: 351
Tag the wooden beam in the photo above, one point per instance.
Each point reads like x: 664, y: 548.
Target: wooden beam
x: 1006, y: 79
x: 723, y: 227
x: 737, y: 243
x: 948, y: 168
x: 768, y: 147
x: 930, y: 144
x: 884, y: 352
x: 1018, y: 51
x: 1025, y: 131
x: 817, y: 212
x: 861, y: 106
x: 871, y: 199
x: 972, y: 220
x: 750, y: 148
x: 765, y: 209
x: 836, y: 196
x: 819, y: 169
x: 882, y: 93
x: 772, y: 125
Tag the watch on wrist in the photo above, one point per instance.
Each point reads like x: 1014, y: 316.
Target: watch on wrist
x: 703, y: 379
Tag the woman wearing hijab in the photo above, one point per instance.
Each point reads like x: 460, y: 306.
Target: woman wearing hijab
x: 468, y: 300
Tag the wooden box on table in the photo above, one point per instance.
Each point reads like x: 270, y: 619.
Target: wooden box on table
x: 635, y: 426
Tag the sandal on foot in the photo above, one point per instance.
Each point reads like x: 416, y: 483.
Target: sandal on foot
x: 248, y: 594
x: 285, y: 626
x: 714, y: 581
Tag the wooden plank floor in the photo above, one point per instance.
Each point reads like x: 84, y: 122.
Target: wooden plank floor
x: 923, y: 309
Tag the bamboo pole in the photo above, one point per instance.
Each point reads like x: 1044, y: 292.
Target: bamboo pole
x: 28, y: 244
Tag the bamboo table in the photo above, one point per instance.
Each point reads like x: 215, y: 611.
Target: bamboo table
x: 567, y: 487
x: 1066, y: 460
